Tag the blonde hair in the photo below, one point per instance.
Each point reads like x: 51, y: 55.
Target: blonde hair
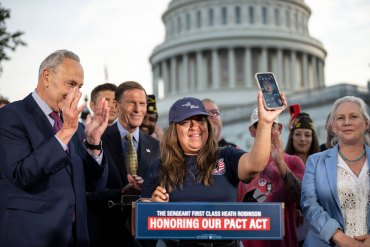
x: 364, y: 109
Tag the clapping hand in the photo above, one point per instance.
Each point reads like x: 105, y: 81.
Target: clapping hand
x: 70, y: 113
x: 136, y: 180
x: 134, y: 185
x: 95, y: 126
x: 276, y: 145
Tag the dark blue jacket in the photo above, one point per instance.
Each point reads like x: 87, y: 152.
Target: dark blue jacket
x: 42, y: 187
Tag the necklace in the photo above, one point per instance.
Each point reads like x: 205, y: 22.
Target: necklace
x: 354, y: 160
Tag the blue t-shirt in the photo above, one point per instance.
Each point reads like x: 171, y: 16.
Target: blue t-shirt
x: 223, y: 188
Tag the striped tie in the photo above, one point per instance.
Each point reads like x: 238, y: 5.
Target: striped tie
x: 131, y: 156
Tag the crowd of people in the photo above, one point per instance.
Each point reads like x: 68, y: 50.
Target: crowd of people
x: 64, y: 183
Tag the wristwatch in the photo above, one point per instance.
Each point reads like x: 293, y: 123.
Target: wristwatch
x: 93, y: 147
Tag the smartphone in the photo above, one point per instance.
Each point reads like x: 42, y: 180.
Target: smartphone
x: 267, y: 83
x: 294, y: 110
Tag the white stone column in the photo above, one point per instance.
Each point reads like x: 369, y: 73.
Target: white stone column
x: 293, y: 70
x: 315, y: 72
x: 321, y: 73
x: 270, y: 16
x: 200, y: 82
x: 231, y: 15
x: 173, y: 75
x: 248, y: 77
x: 165, y: 76
x: 215, y: 69
x: 305, y: 71
x: 232, y: 70
x: 257, y: 14
x: 279, y: 71
x: 156, y: 72
x: 184, y: 82
x: 204, y: 13
x: 217, y: 16
x: 263, y: 62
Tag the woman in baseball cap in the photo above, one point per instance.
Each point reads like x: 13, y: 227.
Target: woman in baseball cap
x: 192, y: 167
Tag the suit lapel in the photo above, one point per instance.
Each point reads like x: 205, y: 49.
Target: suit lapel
x: 38, y: 117
x: 368, y: 155
x: 72, y: 153
x: 331, y: 168
x: 112, y: 139
x: 144, y: 154
x: 41, y: 121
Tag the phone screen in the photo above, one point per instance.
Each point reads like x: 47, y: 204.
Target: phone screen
x: 270, y: 90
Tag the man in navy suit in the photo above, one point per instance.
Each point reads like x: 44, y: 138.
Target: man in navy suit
x: 48, y: 160
x: 110, y: 226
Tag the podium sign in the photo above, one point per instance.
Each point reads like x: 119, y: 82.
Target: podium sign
x: 206, y: 221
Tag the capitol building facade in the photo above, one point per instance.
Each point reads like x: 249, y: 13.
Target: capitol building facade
x: 213, y: 48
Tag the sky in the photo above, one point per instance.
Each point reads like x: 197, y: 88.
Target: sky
x: 120, y: 35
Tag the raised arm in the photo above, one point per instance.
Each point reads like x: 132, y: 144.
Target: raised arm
x: 250, y: 164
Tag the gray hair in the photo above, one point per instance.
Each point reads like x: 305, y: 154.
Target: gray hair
x: 56, y: 58
x: 364, y: 110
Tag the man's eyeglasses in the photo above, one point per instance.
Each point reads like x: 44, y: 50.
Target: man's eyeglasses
x: 214, y: 113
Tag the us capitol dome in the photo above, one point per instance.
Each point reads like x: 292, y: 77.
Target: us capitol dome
x: 213, y: 48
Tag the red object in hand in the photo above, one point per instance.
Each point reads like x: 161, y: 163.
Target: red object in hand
x: 294, y: 110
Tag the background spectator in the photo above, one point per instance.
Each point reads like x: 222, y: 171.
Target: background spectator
x: 112, y: 226
x: 107, y: 91
x: 149, y: 124
x: 216, y: 121
x: 280, y: 181
x: 302, y: 140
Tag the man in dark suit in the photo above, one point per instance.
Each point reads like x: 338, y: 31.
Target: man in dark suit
x: 110, y: 226
x: 45, y: 166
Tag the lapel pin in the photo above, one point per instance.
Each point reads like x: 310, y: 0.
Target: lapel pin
x: 148, y: 150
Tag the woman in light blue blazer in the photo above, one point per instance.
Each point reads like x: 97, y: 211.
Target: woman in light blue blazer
x: 335, y: 195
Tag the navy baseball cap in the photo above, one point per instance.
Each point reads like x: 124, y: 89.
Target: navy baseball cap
x: 185, y: 108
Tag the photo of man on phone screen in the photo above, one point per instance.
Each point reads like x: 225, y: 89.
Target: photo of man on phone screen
x: 271, y: 94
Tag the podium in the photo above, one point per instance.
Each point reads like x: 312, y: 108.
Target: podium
x: 207, y: 220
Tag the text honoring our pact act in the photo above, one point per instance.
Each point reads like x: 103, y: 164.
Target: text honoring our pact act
x: 202, y: 213
x: 211, y: 223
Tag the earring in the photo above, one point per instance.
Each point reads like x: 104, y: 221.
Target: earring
x: 334, y: 140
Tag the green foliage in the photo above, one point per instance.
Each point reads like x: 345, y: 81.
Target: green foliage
x: 8, y: 41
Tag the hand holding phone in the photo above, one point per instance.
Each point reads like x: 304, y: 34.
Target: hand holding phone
x: 266, y: 82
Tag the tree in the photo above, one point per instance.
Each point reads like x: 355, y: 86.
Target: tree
x: 8, y: 41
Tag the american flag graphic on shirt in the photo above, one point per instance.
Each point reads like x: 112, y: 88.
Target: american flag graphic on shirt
x: 220, y: 168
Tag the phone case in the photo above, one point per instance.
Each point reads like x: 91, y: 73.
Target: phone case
x: 271, y: 100
x: 294, y: 110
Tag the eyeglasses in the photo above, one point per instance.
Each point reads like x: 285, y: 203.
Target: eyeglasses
x: 214, y: 113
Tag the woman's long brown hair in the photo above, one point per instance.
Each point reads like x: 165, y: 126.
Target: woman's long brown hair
x: 172, y: 170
